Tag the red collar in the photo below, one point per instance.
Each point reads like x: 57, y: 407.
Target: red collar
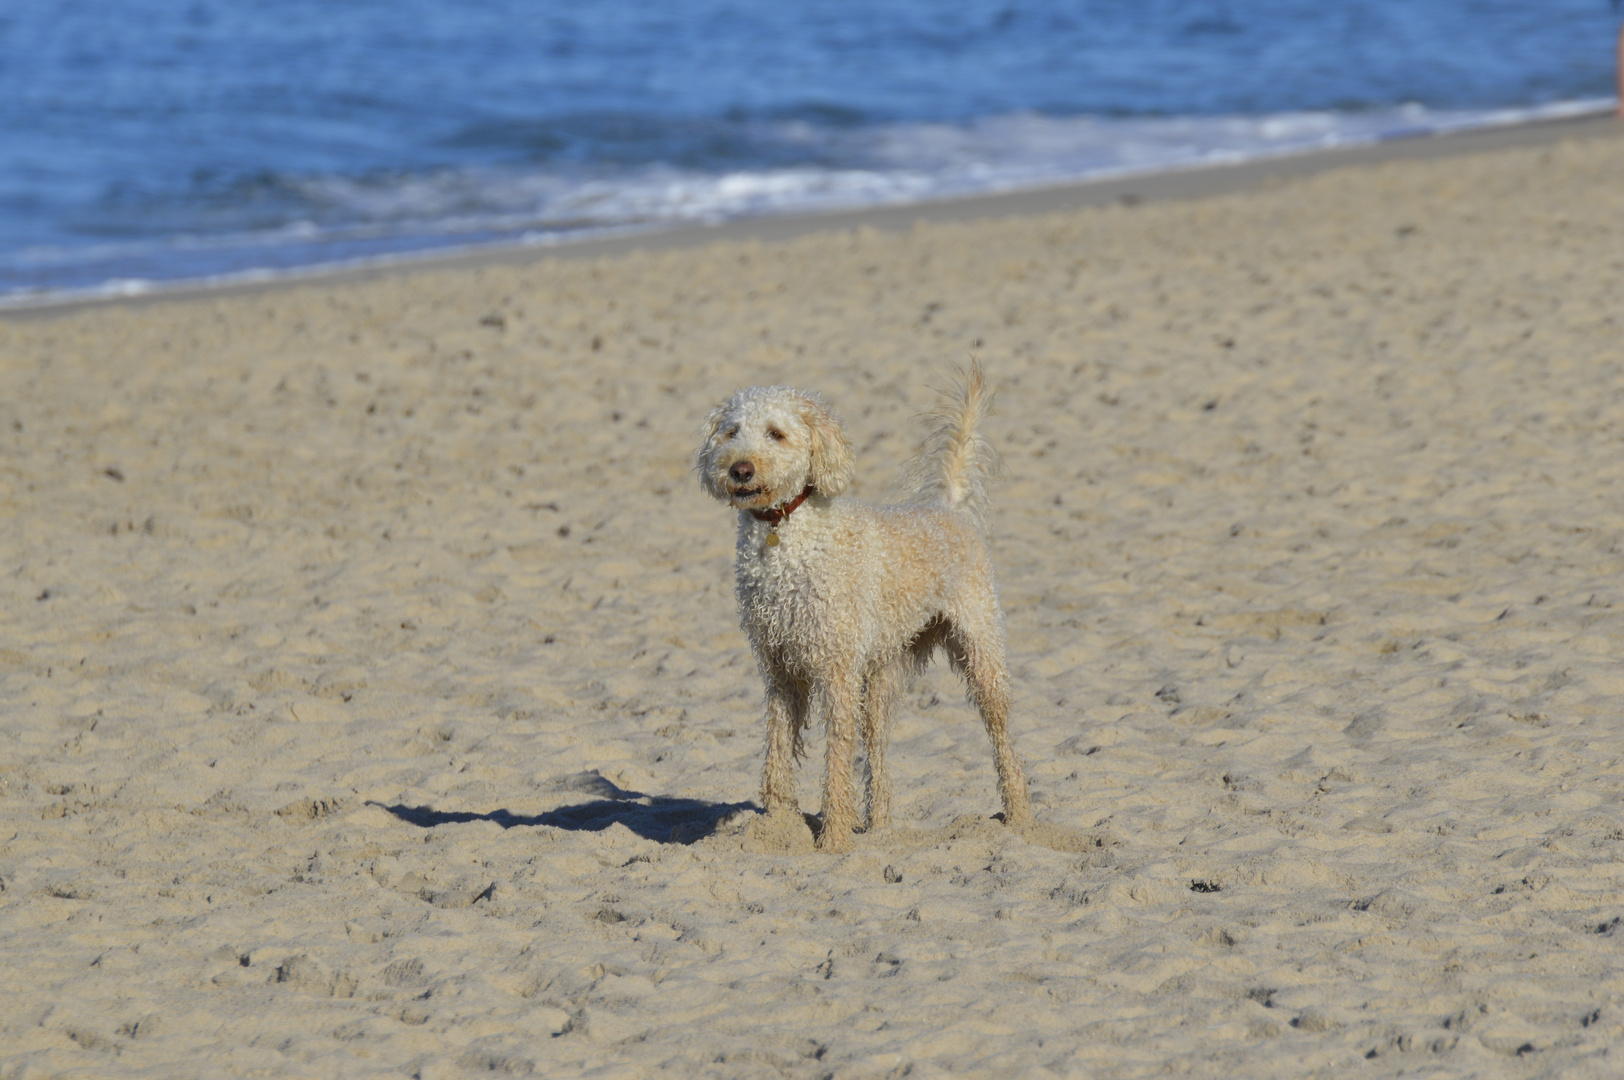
x: 779, y: 513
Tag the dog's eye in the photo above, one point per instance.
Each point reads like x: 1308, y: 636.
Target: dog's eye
x: 775, y: 435
x: 729, y: 433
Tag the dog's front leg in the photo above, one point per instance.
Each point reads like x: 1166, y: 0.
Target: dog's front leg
x: 839, y: 700
x: 786, y: 716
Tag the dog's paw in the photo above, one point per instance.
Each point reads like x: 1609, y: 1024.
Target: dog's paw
x: 830, y: 843
x: 833, y: 838
x: 1019, y: 819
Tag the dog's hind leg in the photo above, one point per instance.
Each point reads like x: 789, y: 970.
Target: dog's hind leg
x: 879, y: 706
x: 976, y: 650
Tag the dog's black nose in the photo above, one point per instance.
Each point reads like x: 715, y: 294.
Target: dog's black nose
x: 741, y: 472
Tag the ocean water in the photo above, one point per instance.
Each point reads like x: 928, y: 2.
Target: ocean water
x: 145, y: 142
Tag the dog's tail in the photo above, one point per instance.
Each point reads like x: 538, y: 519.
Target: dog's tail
x: 952, y: 469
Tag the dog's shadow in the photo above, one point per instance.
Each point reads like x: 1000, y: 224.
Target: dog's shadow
x: 660, y: 818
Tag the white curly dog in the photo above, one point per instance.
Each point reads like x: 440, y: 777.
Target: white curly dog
x: 842, y: 601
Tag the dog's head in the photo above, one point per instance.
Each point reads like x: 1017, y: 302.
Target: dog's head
x: 765, y: 444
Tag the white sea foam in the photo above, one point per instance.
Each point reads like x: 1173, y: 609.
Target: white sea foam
x: 350, y: 220
x: 887, y: 164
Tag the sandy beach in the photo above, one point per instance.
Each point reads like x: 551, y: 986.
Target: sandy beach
x: 373, y: 702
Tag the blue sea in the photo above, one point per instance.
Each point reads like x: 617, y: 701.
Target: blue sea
x: 145, y: 142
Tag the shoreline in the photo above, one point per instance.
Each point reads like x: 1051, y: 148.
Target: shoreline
x: 1197, y: 182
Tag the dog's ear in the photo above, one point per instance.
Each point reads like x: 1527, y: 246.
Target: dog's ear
x: 713, y: 424
x: 830, y: 451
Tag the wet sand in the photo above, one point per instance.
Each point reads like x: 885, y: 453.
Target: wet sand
x: 374, y: 701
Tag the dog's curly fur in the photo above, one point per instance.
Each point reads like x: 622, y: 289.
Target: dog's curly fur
x: 847, y: 600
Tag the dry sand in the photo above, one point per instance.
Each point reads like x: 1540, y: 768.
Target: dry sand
x: 372, y: 700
